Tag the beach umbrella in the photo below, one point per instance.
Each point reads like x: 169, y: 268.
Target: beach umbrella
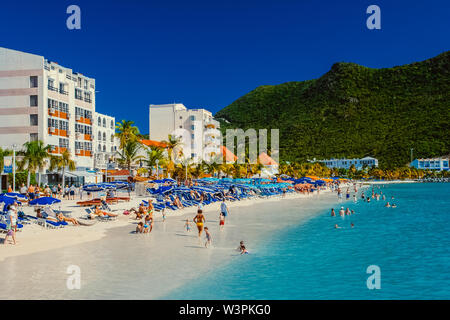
x: 6, y: 200
x: 93, y: 188
x: 44, y: 201
x: 16, y: 196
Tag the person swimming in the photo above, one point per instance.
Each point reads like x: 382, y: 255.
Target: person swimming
x: 333, y: 214
x: 242, y: 248
x: 388, y: 205
x: 394, y: 205
x: 347, y: 211
x: 352, y: 225
x: 337, y: 227
x: 342, y: 212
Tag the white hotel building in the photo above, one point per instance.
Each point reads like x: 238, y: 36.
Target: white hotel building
x: 197, y: 126
x: 42, y: 100
x: 347, y: 163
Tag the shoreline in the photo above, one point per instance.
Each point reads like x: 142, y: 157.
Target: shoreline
x: 249, y: 220
x: 35, y: 239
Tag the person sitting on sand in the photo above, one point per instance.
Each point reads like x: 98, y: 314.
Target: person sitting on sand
x: 149, y: 222
x: 99, y: 212
x: 140, y: 227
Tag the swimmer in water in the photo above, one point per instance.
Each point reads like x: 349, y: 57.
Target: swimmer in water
x: 342, y: 212
x: 347, y: 211
x: 388, y: 205
x: 352, y: 225
x: 394, y: 205
x: 333, y: 214
x: 354, y: 198
x: 337, y: 227
x: 353, y: 212
x: 242, y: 248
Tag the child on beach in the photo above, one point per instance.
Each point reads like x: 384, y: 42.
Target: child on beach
x: 242, y: 248
x: 140, y: 227
x: 222, y: 221
x: 187, y: 225
x: 208, y: 238
x: 164, y: 216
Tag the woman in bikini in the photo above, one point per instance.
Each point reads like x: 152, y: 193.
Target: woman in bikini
x: 199, y: 219
x: 99, y: 212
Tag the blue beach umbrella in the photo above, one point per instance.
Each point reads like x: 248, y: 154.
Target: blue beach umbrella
x: 16, y: 196
x: 6, y: 200
x: 44, y: 201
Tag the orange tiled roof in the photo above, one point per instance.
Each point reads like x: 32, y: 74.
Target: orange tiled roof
x: 266, y: 160
x: 229, y: 156
x: 153, y: 143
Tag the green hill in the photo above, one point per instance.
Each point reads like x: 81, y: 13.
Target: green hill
x: 354, y: 111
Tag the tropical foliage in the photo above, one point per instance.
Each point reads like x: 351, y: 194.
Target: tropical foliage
x: 62, y: 163
x: 354, y: 111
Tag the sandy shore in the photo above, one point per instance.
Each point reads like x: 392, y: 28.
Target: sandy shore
x: 118, y: 264
x: 34, y: 238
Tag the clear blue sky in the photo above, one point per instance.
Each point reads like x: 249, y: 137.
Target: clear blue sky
x: 209, y: 53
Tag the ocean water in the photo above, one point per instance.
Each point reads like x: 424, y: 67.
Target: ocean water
x: 312, y: 260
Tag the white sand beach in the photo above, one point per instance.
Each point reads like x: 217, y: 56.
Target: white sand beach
x: 115, y: 263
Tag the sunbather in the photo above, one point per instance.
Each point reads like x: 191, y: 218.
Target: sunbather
x: 99, y: 212
x: 61, y: 217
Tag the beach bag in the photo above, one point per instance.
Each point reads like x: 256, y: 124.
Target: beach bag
x: 126, y: 212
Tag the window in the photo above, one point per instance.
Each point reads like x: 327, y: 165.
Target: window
x: 63, y: 143
x: 33, y: 101
x: 33, y: 137
x: 192, y: 118
x: 78, y: 94
x: 99, y: 136
x: 192, y: 127
x: 99, y: 121
x: 99, y: 147
x: 33, y: 119
x: 85, y: 84
x: 33, y: 82
x: 104, y: 136
x: 63, y: 107
x: 104, y: 123
x: 104, y: 148
x: 112, y: 124
x: 62, y: 88
x: 112, y: 138
x: 87, y: 97
x: 78, y: 145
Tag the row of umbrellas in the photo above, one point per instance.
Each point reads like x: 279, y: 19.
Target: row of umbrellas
x: 11, y: 197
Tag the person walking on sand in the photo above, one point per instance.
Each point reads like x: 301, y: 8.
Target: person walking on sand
x: 199, y: 219
x: 187, y: 225
x: 222, y: 221
x: 224, y: 208
x: 208, y: 238
x: 11, y: 226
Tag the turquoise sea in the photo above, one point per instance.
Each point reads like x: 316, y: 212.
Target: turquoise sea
x: 410, y: 244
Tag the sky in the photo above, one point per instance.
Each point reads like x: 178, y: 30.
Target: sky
x: 207, y: 54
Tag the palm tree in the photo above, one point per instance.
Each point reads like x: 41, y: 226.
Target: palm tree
x: 3, y: 154
x: 199, y: 169
x: 60, y: 163
x: 155, y: 155
x: 227, y: 169
x: 130, y: 154
x: 33, y: 158
x: 172, y: 144
x: 127, y: 132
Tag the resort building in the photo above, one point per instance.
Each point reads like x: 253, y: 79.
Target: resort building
x: 347, y: 163
x: 43, y: 100
x: 105, y: 142
x: 199, y: 131
x: 438, y: 164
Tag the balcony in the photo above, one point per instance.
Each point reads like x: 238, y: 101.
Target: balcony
x: 62, y: 91
x: 88, y: 100
x: 212, y: 132
x: 79, y: 97
x: 52, y: 88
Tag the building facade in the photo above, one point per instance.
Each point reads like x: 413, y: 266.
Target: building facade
x: 43, y: 100
x: 347, y: 163
x: 438, y: 164
x: 105, y: 142
x: 199, y: 131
